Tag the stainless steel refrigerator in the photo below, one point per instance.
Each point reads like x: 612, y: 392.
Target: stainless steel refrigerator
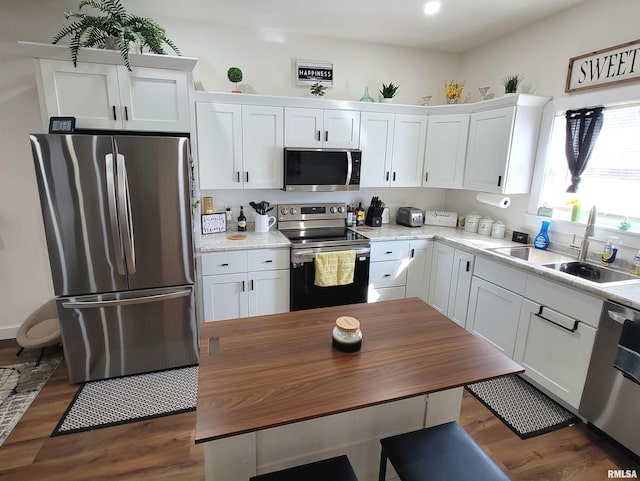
x: 117, y: 219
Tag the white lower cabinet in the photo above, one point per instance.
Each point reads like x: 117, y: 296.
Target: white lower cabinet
x: 257, y: 283
x: 450, y: 281
x: 388, y: 270
x: 418, y: 271
x: 493, y: 314
x: 555, y: 350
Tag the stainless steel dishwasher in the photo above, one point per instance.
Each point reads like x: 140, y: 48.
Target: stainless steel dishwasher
x: 610, y: 399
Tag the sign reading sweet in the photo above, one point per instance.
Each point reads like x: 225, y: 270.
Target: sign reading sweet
x: 620, y: 63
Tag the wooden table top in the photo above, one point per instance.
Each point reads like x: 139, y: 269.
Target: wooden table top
x: 280, y: 369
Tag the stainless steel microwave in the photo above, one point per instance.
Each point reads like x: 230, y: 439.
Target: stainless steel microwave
x: 321, y: 170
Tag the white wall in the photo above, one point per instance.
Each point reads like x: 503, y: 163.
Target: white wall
x: 267, y: 62
x: 541, y: 53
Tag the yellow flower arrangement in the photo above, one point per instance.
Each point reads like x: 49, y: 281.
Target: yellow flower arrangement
x: 453, y: 90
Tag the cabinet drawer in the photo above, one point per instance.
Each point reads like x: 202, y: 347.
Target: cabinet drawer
x: 385, y: 294
x: 387, y: 251
x: 570, y: 302
x: 268, y: 259
x: 227, y: 262
x: 387, y: 274
x: 501, y: 275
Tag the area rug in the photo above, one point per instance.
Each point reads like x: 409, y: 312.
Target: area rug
x: 19, y: 386
x: 109, y: 402
x: 522, y: 407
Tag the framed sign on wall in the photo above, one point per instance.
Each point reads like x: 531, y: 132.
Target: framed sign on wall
x: 309, y: 72
x: 620, y: 63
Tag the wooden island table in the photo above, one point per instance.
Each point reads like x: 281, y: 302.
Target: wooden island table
x: 273, y: 393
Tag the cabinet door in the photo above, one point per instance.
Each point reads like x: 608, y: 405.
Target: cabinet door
x: 446, y: 150
x: 488, y: 149
x: 376, y: 143
x: 555, y: 350
x: 303, y: 127
x: 154, y: 99
x: 385, y: 294
x: 408, y: 150
x: 262, y: 144
x: 225, y: 297
x: 419, y: 269
x: 341, y: 129
x: 88, y: 92
x: 493, y: 314
x: 460, y: 286
x: 441, y: 274
x: 268, y: 292
x: 219, y: 129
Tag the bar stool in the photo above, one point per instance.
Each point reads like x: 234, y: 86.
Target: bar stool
x: 439, y: 453
x: 332, y: 469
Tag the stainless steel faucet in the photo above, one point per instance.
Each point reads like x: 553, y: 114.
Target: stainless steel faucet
x: 589, y: 231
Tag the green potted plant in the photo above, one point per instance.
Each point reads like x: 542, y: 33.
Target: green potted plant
x: 116, y: 26
x: 388, y: 92
x: 317, y: 89
x: 511, y: 83
x: 234, y: 74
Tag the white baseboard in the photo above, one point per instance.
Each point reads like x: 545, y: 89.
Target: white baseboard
x: 9, y: 332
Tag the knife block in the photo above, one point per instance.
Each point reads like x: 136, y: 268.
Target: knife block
x: 374, y: 216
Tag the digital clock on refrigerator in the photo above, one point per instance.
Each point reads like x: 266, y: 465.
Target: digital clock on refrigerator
x: 62, y: 125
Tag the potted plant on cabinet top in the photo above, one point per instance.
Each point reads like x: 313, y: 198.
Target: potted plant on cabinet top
x: 453, y: 91
x: 234, y: 74
x: 317, y: 89
x: 116, y: 29
x: 388, y: 92
x: 511, y: 83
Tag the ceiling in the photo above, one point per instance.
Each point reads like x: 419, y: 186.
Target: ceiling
x: 459, y: 25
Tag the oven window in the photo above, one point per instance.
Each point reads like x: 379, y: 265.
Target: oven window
x: 306, y: 295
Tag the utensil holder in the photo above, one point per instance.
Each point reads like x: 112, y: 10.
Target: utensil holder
x: 374, y: 216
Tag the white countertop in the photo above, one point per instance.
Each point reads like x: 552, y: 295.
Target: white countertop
x: 628, y: 294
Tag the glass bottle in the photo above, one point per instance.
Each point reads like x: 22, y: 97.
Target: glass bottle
x: 242, y: 221
x: 366, y: 97
x: 360, y: 215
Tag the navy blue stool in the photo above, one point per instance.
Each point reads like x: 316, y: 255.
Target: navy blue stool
x: 332, y: 469
x: 440, y: 453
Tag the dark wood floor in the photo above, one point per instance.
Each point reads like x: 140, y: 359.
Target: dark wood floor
x: 164, y: 449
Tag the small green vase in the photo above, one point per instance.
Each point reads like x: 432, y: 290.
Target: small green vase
x: 366, y: 97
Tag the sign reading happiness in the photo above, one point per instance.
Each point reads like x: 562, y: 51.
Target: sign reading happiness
x: 308, y: 72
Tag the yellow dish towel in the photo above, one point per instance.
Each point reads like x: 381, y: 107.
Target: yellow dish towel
x: 335, y: 268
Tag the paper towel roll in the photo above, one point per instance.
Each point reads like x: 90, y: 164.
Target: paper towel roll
x: 495, y: 200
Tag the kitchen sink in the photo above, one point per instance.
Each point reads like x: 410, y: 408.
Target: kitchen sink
x: 530, y: 254
x: 592, y: 272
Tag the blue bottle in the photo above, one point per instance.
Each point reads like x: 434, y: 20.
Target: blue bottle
x: 542, y: 239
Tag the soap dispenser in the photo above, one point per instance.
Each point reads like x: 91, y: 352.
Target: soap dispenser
x: 542, y: 238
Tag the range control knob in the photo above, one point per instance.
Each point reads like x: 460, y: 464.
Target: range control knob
x: 333, y: 210
x: 284, y: 211
x: 293, y: 211
x: 341, y: 209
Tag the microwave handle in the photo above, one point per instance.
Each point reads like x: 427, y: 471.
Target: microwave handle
x: 349, y: 168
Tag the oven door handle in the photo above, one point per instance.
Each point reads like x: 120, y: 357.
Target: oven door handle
x: 311, y: 254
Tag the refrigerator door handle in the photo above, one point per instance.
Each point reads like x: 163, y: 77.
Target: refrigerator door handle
x: 125, y: 302
x: 113, y: 214
x: 124, y: 206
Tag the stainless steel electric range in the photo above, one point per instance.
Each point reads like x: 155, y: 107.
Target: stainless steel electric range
x: 314, y: 228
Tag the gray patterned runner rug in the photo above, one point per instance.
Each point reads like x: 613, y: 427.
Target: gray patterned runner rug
x: 128, y: 399
x: 19, y: 386
x: 527, y: 411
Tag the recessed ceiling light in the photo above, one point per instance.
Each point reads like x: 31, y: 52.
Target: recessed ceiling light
x: 431, y: 7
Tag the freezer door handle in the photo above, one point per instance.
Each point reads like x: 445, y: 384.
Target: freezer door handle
x: 113, y: 214
x: 124, y: 206
x: 125, y: 302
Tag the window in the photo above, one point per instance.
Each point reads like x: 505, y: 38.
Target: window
x: 611, y: 180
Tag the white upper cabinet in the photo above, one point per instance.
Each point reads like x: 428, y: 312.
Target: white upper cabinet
x: 318, y: 128
x: 392, y: 149
x: 104, y: 96
x: 239, y: 146
x: 446, y: 151
x: 502, y: 145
